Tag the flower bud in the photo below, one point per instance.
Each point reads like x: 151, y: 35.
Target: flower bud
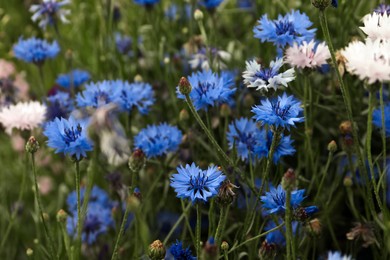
x: 184, y: 115
x: 267, y: 250
x: 348, y: 182
x: 137, y: 160
x: 225, y: 246
x: 332, y: 146
x: 210, y: 250
x: 225, y: 110
x: 226, y: 194
x: 184, y: 86
x: 61, y: 216
x: 29, y: 252
x: 289, y: 179
x: 198, y: 15
x: 345, y: 128
x: 156, y: 250
x: 32, y: 145
x: 321, y: 4
x: 314, y: 227
x: 138, y: 78
x: 133, y: 203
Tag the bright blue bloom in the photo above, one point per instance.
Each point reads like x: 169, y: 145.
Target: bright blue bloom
x: 59, y: 105
x: 337, y: 256
x: 99, y: 94
x: 180, y: 253
x: 293, y: 27
x: 211, y: 4
x: 68, y: 136
x: 275, y: 200
x: 146, y: 2
x: 377, y: 118
x: 276, y: 237
x: 284, y: 111
x: 243, y: 133
x: 75, y: 78
x: 99, y: 214
x: 49, y: 11
x: 283, y: 148
x: 195, y: 184
x: 335, y: 3
x: 35, y: 50
x: 209, y: 89
x: 383, y: 9
x: 139, y: 95
x: 156, y: 140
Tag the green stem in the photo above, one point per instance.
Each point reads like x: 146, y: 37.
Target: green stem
x: 383, y: 133
x: 256, y: 237
x: 371, y: 100
x: 198, y: 229
x: 182, y: 216
x: 308, y: 126
x: 79, y: 224
x: 121, y: 230
x: 187, y: 221
x: 289, y: 234
x: 41, y: 79
x: 66, y: 240
x: 221, y: 224
x: 347, y: 103
x: 324, y: 174
x: 38, y: 198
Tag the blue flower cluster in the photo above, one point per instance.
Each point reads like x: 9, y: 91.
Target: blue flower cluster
x: 209, y: 89
x: 35, y: 50
x: 156, y: 140
x: 191, y: 182
x: 98, y: 94
x: 68, y: 136
x: 180, y: 253
x: 275, y: 201
x: 75, y: 79
x: 293, y: 27
x: 98, y: 219
x: 253, y: 143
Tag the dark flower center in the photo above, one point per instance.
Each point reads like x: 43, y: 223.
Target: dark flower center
x: 203, y: 87
x: 279, y: 198
x: 199, y: 183
x: 266, y: 74
x: 91, y: 224
x: 71, y: 134
x: 281, y: 111
x: 284, y: 27
x: 49, y: 8
x: 101, y: 98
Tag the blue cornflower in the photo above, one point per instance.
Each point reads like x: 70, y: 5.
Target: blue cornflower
x: 99, y: 94
x: 139, y: 95
x: 146, y: 2
x: 293, y: 27
x: 68, y: 136
x: 243, y: 134
x: 209, y: 89
x: 75, y: 78
x: 383, y: 9
x: 284, y: 111
x: 196, y: 184
x: 97, y: 196
x: 60, y: 105
x: 277, y: 237
x: 180, y: 253
x: 377, y: 118
x: 49, y: 11
x: 335, y: 3
x: 211, y: 4
x: 337, y: 256
x: 35, y: 50
x: 283, y: 148
x: 275, y: 200
x: 156, y: 140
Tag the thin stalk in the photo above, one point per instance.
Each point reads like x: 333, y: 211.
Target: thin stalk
x: 221, y: 225
x: 182, y: 216
x: 79, y: 224
x: 308, y: 124
x: 289, y: 234
x: 38, y: 198
x: 324, y: 174
x: 198, y: 228
x: 383, y: 132
x: 371, y: 99
x: 121, y: 230
x: 41, y: 79
x: 66, y: 240
x: 347, y: 103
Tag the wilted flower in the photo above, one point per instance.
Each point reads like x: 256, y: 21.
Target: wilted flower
x: 48, y: 11
x: 267, y: 78
x: 195, y: 184
x: 156, y: 140
x: 365, y: 232
x: 22, y: 116
x: 307, y: 55
x: 68, y: 136
x: 75, y: 78
x: 35, y: 50
x: 293, y: 27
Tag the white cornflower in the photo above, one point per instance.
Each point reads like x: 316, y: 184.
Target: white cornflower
x: 48, y: 11
x: 368, y: 60
x: 376, y: 26
x: 307, y: 55
x: 22, y: 116
x: 266, y: 78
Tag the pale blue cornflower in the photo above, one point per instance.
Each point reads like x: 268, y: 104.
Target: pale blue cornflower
x: 264, y: 79
x: 34, y: 50
x: 293, y: 27
x: 49, y: 11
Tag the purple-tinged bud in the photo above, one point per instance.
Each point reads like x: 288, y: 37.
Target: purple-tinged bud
x: 32, y: 145
x: 156, y: 250
x: 137, y: 160
x: 184, y: 86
